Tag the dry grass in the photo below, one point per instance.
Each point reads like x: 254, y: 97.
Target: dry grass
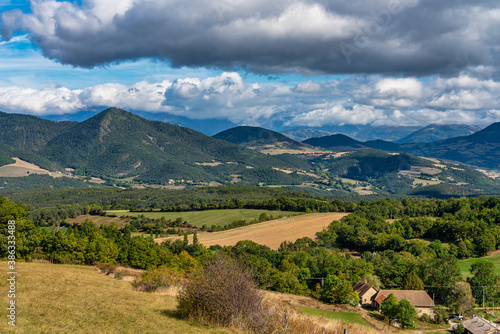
x: 99, y: 220
x: 77, y: 299
x: 21, y: 168
x: 271, y: 233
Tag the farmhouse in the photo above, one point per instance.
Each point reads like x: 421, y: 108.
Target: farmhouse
x: 418, y: 298
x: 478, y: 325
x: 365, y: 291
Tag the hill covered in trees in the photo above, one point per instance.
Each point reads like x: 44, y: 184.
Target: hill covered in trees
x: 250, y: 136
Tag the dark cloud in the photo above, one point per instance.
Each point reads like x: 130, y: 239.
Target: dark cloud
x: 390, y: 37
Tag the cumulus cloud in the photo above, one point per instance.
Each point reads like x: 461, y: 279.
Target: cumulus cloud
x: 392, y: 37
x: 357, y: 100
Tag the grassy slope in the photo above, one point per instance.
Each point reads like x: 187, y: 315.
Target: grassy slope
x: 466, y: 264
x: 77, y: 299
x: 346, y: 316
x: 208, y: 217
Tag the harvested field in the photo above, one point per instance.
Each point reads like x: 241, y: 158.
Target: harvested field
x: 271, y: 233
x: 22, y: 168
x: 99, y: 220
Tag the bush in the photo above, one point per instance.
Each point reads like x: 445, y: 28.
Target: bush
x: 220, y: 293
x: 107, y: 268
x: 425, y: 318
x: 156, y: 279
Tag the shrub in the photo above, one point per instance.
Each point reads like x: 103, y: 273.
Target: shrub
x: 107, y: 268
x: 156, y: 279
x: 221, y: 292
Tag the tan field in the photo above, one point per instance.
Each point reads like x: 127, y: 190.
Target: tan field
x: 100, y: 220
x: 271, y: 233
x: 21, y: 168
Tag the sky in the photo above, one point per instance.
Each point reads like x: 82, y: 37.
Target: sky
x: 297, y: 63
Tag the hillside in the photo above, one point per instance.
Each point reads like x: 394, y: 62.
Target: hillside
x: 434, y: 132
x: 381, y: 172
x: 61, y: 293
x: 29, y: 133
x: 480, y: 149
x: 250, y: 136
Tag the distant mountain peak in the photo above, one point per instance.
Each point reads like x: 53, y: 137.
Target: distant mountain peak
x: 434, y: 132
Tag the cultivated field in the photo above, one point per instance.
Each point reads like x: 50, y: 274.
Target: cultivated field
x: 99, y: 220
x: 22, y: 168
x: 80, y: 300
x: 271, y: 233
x: 208, y: 217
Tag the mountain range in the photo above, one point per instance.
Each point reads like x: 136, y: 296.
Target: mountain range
x: 434, y: 132
x: 116, y: 143
x: 123, y: 148
x: 480, y: 149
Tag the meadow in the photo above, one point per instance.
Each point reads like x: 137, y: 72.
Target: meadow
x: 207, y: 217
x: 466, y: 264
x: 345, y: 316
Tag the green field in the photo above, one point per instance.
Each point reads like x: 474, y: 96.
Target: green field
x: 353, y: 318
x: 466, y: 264
x: 208, y: 217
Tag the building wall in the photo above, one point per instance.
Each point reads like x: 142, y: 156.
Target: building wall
x: 367, y: 297
x: 425, y: 310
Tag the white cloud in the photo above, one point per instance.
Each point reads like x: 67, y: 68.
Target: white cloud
x: 354, y: 100
x: 337, y: 115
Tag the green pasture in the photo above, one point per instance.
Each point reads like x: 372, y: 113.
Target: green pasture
x: 466, y: 264
x: 353, y: 318
x: 208, y: 217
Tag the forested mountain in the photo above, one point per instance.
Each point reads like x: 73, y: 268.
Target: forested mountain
x: 251, y: 136
x: 434, y: 132
x: 29, y: 133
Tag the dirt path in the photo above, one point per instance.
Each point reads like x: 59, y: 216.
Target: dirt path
x: 271, y: 233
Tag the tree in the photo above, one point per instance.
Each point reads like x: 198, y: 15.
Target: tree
x: 373, y: 280
x: 389, y: 307
x: 406, y: 313
x: 338, y: 291
x: 185, y: 241
x: 412, y: 282
x: 460, y: 300
x: 483, y: 275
